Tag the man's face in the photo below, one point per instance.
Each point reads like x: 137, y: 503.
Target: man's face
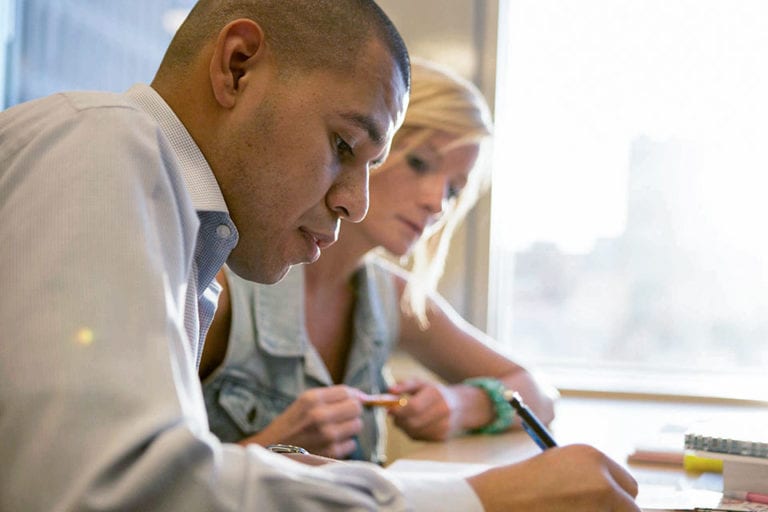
x: 298, y: 163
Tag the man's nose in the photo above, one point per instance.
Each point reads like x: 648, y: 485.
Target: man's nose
x: 348, y: 196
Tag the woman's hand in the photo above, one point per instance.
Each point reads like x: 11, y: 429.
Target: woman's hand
x: 432, y: 411
x: 324, y: 421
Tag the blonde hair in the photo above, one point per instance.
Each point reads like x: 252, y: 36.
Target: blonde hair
x: 441, y: 101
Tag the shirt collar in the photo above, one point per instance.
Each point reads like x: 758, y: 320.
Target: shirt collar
x: 198, y: 177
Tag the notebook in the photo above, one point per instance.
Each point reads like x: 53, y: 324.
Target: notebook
x: 749, y: 440
x: 743, y: 447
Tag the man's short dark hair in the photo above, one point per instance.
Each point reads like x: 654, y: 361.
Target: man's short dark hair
x: 304, y: 34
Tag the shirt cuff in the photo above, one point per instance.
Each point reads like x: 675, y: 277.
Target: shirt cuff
x: 430, y: 492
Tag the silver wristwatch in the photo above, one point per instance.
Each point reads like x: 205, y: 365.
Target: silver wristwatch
x: 287, y: 448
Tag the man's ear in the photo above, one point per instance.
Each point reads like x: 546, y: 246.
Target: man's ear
x: 239, y: 45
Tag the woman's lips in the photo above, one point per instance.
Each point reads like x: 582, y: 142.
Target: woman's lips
x: 416, y: 228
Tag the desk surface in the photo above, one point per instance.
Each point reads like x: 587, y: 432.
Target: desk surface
x: 612, y: 425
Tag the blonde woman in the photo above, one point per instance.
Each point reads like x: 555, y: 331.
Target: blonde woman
x: 294, y: 363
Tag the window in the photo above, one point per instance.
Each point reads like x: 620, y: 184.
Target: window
x: 56, y: 45
x: 7, y: 8
x: 629, y: 248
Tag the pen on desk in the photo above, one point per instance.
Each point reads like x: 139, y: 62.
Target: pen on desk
x: 531, y: 423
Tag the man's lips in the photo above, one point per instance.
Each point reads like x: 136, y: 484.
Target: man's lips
x: 322, y: 240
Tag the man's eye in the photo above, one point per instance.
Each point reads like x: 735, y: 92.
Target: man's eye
x: 342, y: 148
x: 416, y: 163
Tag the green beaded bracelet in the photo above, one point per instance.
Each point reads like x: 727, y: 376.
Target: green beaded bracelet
x: 504, y: 411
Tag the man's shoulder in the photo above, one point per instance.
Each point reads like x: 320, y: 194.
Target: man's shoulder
x: 86, y: 100
x: 75, y: 101
x: 58, y: 111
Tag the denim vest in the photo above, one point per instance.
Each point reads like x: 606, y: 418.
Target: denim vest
x: 270, y: 360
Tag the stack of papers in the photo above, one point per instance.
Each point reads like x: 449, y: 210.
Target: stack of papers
x: 652, y: 497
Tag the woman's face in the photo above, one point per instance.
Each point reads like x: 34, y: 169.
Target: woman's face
x: 410, y: 191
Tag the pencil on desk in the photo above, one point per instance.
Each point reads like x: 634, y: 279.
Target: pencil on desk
x: 752, y: 497
x: 688, y: 461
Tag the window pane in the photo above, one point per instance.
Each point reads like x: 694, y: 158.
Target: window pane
x: 629, y: 185
x: 6, y: 31
x: 88, y: 44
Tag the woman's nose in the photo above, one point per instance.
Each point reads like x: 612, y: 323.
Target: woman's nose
x: 435, y: 194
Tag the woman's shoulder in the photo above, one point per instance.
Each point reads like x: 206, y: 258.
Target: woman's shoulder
x: 379, y: 266
x: 380, y: 263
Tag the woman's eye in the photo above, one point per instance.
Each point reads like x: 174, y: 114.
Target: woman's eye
x: 452, y: 193
x: 416, y: 163
x: 342, y: 148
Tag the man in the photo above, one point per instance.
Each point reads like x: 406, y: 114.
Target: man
x: 253, y: 142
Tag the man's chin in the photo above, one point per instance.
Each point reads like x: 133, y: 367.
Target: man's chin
x: 259, y: 274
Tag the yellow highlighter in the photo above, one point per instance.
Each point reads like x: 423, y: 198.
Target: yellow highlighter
x: 698, y: 464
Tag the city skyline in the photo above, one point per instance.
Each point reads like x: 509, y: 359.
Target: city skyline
x: 661, y: 292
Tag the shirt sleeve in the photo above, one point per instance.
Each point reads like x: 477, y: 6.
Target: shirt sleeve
x: 347, y: 486
x: 100, y: 407
x: 438, y: 493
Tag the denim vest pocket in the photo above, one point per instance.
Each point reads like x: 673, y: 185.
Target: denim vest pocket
x: 243, y: 407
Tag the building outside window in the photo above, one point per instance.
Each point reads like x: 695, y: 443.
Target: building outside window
x: 629, y: 248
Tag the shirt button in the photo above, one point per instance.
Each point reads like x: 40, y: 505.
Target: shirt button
x: 223, y: 231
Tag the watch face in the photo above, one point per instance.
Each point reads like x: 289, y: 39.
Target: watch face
x: 286, y: 448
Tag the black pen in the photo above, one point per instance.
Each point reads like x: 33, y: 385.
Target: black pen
x: 531, y: 423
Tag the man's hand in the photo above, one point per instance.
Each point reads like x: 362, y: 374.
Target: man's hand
x: 576, y: 478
